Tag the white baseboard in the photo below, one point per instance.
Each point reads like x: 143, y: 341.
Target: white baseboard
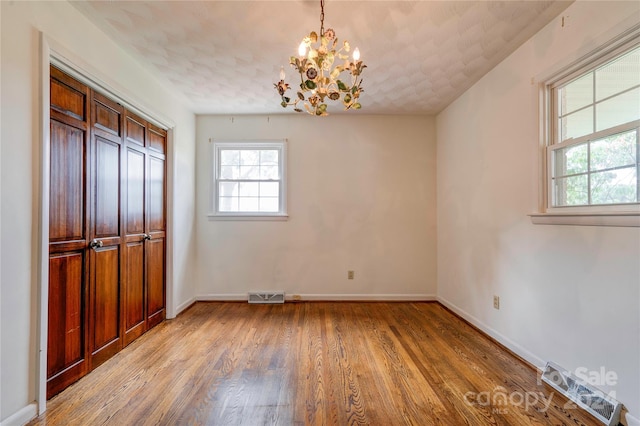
x: 181, y: 307
x: 629, y: 420
x: 229, y: 297
x: 22, y: 416
x: 328, y: 297
x: 508, y: 343
x: 366, y: 297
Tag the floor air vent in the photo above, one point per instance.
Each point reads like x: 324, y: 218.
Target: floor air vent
x: 586, y: 396
x: 266, y: 297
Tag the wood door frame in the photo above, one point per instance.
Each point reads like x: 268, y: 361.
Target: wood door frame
x: 52, y: 53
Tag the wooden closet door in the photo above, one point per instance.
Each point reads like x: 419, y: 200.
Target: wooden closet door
x: 145, y: 224
x: 67, y: 358
x: 135, y: 291
x: 106, y: 230
x: 105, y: 334
x: 156, y: 225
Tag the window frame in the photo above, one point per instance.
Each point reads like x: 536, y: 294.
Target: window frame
x: 588, y: 139
x: 627, y: 214
x: 277, y: 144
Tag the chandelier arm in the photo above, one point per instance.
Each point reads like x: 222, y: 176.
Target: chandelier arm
x: 333, y: 86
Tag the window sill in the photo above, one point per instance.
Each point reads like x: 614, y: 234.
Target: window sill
x: 245, y: 217
x: 628, y: 219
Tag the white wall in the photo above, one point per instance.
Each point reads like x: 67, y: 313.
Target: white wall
x: 568, y: 294
x: 361, y: 197
x: 20, y: 156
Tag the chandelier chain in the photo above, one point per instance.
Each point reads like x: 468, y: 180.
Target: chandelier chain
x: 321, y: 18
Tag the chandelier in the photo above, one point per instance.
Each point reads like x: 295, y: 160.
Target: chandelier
x: 320, y: 62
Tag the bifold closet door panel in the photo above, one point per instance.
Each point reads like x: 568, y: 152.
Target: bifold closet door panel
x: 135, y: 235
x: 156, y: 226
x: 105, y: 331
x: 67, y: 345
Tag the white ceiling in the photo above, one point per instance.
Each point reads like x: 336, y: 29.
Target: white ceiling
x: 224, y: 56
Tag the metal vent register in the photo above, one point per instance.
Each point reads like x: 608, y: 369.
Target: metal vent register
x: 586, y: 396
x: 266, y: 297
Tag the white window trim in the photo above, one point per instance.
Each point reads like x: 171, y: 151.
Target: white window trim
x: 627, y: 215
x: 214, y: 214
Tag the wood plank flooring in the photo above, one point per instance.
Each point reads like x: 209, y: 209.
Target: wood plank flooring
x: 312, y: 363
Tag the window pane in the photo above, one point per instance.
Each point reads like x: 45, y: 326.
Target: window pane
x: 269, y: 172
x: 614, y: 186
x: 249, y: 204
x: 269, y: 204
x: 571, y: 191
x: 228, y: 189
x: 249, y: 172
x: 575, y: 95
x: 249, y: 189
x: 229, y: 172
x: 269, y: 157
x: 614, y: 151
x: 570, y: 160
x: 249, y: 157
x: 577, y: 124
x: 269, y: 189
x: 249, y: 178
x: 228, y: 204
x: 618, y: 110
x: 229, y: 157
x: 619, y: 75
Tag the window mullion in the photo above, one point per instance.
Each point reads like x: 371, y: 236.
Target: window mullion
x: 593, y: 130
x: 593, y: 99
x: 638, y: 165
x: 589, y: 173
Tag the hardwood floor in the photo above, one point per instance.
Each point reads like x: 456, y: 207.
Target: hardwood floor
x: 312, y: 363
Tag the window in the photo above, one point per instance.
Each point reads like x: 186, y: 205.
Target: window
x: 592, y: 135
x: 249, y: 179
x: 594, y: 155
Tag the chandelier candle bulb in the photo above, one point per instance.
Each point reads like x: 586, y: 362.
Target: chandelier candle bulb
x: 282, y: 74
x: 320, y: 62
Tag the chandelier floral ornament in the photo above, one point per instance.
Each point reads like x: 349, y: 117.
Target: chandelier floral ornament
x: 320, y: 63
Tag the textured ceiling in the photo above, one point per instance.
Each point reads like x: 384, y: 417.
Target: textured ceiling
x: 224, y: 56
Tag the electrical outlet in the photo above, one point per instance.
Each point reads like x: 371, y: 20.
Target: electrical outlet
x: 496, y: 302
x: 351, y: 275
